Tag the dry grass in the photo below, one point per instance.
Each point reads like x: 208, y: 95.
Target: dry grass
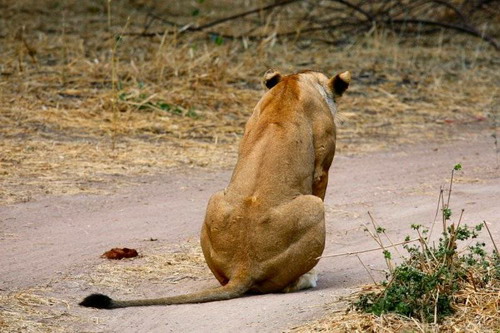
x: 476, y: 311
x: 166, y: 265
x: 36, y: 310
x: 69, y: 125
x: 439, y: 285
x: 31, y: 310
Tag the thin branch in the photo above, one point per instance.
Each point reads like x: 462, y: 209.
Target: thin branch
x: 387, y: 16
x: 159, y: 18
x: 460, y: 219
x: 465, y: 30
x: 436, y: 307
x: 358, y: 9
x: 491, y: 236
x: 451, y: 186
x: 368, y: 250
x: 376, y: 225
x: 367, y: 270
x: 237, y: 16
x: 453, y: 8
x: 378, y: 240
x: 224, y: 19
x: 437, y: 212
x: 252, y: 37
x: 425, y: 246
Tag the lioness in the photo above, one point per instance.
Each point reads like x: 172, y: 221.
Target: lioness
x: 265, y: 231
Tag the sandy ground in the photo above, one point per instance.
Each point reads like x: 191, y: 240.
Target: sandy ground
x: 46, y: 243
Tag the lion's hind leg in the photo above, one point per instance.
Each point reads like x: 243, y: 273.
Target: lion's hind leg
x: 306, y: 281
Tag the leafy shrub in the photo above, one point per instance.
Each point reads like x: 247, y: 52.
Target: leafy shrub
x: 425, y: 284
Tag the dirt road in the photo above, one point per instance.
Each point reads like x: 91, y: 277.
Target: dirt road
x: 49, y: 247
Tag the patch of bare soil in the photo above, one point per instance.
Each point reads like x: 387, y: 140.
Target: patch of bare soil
x: 51, y: 247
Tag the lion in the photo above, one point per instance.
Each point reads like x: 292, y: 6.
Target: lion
x: 265, y: 232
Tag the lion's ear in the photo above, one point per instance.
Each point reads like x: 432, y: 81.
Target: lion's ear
x: 340, y: 82
x: 271, y: 78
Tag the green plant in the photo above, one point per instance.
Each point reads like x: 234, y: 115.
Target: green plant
x: 424, y: 286
x: 144, y: 102
x: 217, y: 39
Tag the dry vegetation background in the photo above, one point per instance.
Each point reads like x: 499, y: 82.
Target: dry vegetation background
x: 100, y: 92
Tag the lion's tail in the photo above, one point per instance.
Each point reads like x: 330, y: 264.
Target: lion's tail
x: 232, y: 289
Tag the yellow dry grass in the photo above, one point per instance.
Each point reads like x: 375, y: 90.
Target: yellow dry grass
x: 36, y: 310
x: 476, y: 311
x: 82, y: 110
x: 31, y: 310
x: 165, y: 265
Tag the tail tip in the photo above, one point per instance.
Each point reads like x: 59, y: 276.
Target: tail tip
x: 98, y: 301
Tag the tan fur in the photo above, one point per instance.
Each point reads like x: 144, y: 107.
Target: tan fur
x: 267, y: 228
x: 268, y: 225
